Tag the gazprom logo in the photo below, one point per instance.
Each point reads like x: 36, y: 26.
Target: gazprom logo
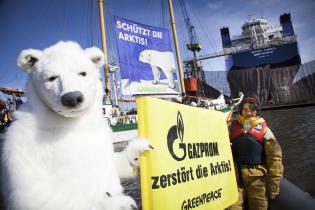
x: 176, y: 132
x: 175, y: 136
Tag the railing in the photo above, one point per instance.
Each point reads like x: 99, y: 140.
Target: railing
x: 241, y: 48
x: 245, y: 47
x: 116, y: 120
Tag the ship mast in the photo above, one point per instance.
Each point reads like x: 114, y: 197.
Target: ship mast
x: 104, y: 47
x: 180, y: 67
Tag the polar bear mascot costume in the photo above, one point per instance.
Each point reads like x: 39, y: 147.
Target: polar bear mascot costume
x: 58, y: 153
x: 160, y: 61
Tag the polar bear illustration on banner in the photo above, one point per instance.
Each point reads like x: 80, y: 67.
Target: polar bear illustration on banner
x: 160, y: 61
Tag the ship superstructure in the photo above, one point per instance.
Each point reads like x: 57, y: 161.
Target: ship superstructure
x: 260, y: 44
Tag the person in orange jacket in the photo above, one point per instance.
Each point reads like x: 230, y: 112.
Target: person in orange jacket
x: 257, y: 156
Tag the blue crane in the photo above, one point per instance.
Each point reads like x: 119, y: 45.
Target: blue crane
x: 193, y: 72
x: 194, y: 44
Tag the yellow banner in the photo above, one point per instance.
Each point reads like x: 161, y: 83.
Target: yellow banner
x: 191, y: 165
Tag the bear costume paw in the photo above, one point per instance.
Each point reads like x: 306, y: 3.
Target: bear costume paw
x: 128, y: 161
x: 135, y: 148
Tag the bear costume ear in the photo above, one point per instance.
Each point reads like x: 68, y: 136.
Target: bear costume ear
x: 96, y: 56
x: 28, y: 58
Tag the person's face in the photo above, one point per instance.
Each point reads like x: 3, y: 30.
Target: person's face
x: 248, y: 111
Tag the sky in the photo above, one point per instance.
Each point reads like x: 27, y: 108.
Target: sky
x: 41, y: 23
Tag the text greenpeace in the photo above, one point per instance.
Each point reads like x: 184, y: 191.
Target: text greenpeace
x: 192, y: 203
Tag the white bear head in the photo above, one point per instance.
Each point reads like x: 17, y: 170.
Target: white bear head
x: 145, y: 56
x: 64, y: 76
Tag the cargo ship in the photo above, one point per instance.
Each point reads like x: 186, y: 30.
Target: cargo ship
x: 264, y: 62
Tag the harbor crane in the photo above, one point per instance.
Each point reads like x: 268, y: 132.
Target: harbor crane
x: 193, y: 44
x: 193, y: 72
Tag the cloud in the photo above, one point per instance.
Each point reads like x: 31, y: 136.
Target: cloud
x: 215, y: 5
x: 307, y: 49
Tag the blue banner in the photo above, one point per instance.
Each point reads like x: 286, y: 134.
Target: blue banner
x: 146, y: 59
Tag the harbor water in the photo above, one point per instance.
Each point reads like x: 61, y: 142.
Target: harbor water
x: 295, y: 130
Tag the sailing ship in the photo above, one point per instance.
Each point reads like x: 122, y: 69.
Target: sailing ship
x: 124, y: 121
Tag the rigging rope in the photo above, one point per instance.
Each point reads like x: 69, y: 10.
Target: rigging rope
x: 150, y: 3
x: 88, y: 25
x: 207, y: 35
x: 183, y: 40
x: 205, y: 31
x: 108, y: 23
x: 40, y: 20
x: 83, y: 17
x: 62, y: 32
x: 202, y: 24
x: 92, y: 22
x: 163, y: 15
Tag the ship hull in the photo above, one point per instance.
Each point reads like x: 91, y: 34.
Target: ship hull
x: 274, y: 74
x: 275, y: 85
x: 273, y: 54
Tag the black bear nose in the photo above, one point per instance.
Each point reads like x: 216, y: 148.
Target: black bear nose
x: 72, y: 99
